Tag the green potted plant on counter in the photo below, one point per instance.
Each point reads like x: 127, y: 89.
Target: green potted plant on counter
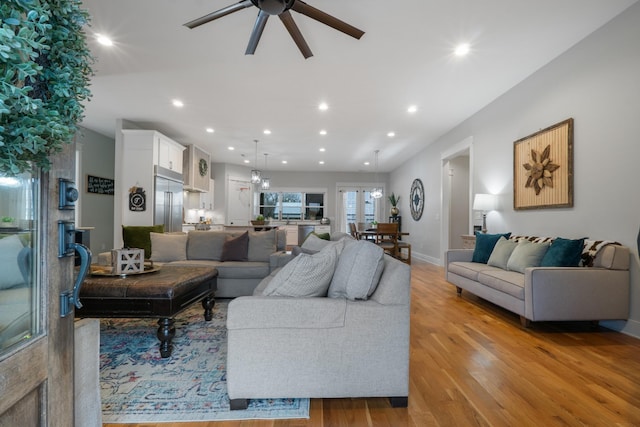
x: 258, y: 221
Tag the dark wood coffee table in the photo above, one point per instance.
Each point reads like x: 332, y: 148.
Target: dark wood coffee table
x: 163, y: 294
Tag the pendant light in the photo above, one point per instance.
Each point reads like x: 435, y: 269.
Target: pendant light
x: 376, y: 192
x: 266, y: 182
x: 255, y: 173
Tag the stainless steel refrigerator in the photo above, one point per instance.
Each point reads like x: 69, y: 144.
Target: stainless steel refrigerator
x: 168, y: 199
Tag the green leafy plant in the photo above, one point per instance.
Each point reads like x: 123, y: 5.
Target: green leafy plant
x: 45, y: 67
x: 7, y: 219
x: 394, y: 200
x: 260, y: 218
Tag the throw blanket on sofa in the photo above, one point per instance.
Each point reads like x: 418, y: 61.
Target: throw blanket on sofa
x: 591, y: 247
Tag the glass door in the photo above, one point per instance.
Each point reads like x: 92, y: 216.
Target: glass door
x: 356, y: 205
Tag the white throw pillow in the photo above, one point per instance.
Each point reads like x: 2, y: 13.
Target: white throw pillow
x: 501, y: 253
x: 358, y: 271
x: 527, y: 254
x: 305, y: 275
x: 11, y: 276
x: 168, y: 247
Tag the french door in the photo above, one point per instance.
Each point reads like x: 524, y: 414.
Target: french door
x: 356, y: 205
x: 36, y: 343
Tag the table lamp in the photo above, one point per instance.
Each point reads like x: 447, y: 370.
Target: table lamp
x: 484, y: 203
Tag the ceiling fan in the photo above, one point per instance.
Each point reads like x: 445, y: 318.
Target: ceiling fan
x: 280, y: 8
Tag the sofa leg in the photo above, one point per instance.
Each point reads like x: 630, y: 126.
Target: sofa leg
x: 459, y: 290
x: 524, y: 322
x: 238, y: 404
x: 399, y: 402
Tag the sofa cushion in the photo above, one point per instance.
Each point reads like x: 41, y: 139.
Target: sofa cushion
x: 563, y: 253
x: 261, y: 245
x: 10, y: 248
x: 206, y: 245
x: 242, y: 270
x: 137, y: 236
x: 358, y: 271
x: 469, y: 270
x: 509, y: 282
x: 236, y: 248
x: 168, y: 247
x: 305, y: 275
x: 527, y: 254
x: 501, y: 253
x: 484, y: 246
x: 259, y: 290
x: 314, y: 243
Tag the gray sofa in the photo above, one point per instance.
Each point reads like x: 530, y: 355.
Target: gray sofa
x: 598, y: 292
x: 263, y: 253
x: 327, y: 346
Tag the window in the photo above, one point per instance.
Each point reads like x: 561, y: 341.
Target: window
x: 291, y: 205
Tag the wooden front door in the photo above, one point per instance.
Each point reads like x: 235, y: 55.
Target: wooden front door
x: 36, y: 364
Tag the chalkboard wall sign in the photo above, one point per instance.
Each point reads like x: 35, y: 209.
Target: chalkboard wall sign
x: 99, y: 185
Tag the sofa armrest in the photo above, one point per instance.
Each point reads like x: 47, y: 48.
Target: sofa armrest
x: 279, y: 259
x: 257, y: 312
x: 576, y: 293
x: 458, y: 255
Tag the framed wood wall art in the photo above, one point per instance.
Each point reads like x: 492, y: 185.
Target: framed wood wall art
x: 543, y: 168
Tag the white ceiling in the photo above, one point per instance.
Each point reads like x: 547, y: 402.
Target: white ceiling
x: 404, y: 58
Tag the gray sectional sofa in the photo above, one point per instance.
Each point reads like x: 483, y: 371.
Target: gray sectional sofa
x: 593, y: 293
x: 350, y: 340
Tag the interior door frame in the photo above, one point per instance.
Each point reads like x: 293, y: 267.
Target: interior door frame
x: 464, y: 147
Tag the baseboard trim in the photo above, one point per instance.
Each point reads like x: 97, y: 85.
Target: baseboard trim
x: 628, y: 327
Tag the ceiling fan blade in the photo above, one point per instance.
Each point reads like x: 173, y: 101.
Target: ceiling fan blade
x: 320, y: 16
x: 295, y: 33
x: 219, y: 14
x: 258, y: 28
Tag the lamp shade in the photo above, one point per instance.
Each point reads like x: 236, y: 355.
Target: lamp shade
x: 484, y: 202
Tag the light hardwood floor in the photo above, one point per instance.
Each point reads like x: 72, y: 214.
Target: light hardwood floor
x: 473, y: 365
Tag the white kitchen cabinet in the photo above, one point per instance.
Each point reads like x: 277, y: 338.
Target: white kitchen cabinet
x: 195, y: 168
x: 169, y: 153
x: 292, y: 234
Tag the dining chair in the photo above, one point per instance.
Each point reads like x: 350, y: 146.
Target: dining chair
x: 406, y: 246
x: 353, y: 230
x: 387, y: 237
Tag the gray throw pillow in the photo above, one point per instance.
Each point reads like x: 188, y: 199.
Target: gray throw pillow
x: 501, y: 253
x: 168, y: 247
x: 314, y: 243
x: 206, y: 245
x: 526, y: 254
x: 358, y: 271
x: 305, y: 275
x: 236, y: 248
x: 261, y: 245
x: 10, y: 248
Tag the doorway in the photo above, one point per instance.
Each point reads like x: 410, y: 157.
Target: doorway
x: 356, y: 205
x: 456, y: 194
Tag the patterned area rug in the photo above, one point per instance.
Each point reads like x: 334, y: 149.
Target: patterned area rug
x: 138, y: 386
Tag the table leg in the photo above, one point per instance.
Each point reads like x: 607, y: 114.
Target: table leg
x: 166, y: 332
x: 208, y: 303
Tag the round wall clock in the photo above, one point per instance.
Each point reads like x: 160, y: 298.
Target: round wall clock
x: 416, y: 199
x: 203, y: 167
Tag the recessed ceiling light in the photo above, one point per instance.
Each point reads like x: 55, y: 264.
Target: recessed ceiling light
x: 366, y: 163
x: 462, y: 49
x: 177, y: 103
x: 391, y: 134
x: 284, y: 162
x: 267, y: 132
x: 323, y: 106
x: 321, y: 162
x: 247, y: 161
x: 231, y: 148
x: 323, y: 132
x: 412, y: 109
x: 104, y: 40
x: 322, y: 149
x: 210, y: 130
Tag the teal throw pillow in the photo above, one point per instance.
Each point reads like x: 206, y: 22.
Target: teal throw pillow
x: 563, y: 253
x: 484, y: 246
x: 501, y: 253
x: 526, y: 254
x: 139, y: 236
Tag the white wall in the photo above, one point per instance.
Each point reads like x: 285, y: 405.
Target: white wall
x: 96, y: 157
x: 596, y: 82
